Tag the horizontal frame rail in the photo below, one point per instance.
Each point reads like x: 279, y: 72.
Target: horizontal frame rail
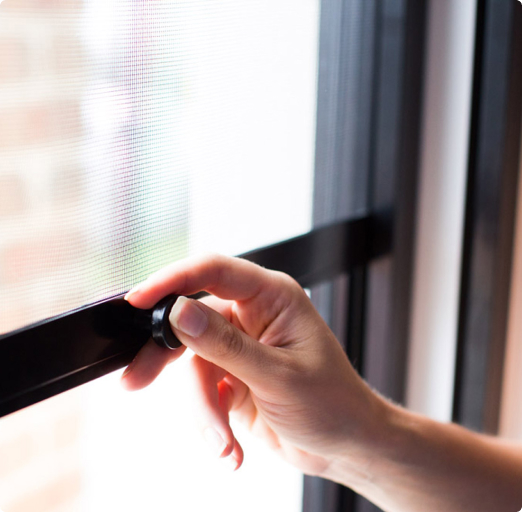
x: 58, y: 354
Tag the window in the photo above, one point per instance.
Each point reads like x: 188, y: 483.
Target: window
x: 134, y: 133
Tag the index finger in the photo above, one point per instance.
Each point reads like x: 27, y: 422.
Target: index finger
x: 223, y: 276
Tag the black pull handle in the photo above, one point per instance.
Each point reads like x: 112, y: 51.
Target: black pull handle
x: 161, y: 331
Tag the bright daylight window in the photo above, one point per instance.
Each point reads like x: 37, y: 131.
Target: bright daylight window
x: 134, y: 133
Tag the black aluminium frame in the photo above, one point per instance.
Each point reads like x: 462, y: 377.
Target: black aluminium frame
x: 494, y: 163
x: 55, y: 355
x: 368, y: 309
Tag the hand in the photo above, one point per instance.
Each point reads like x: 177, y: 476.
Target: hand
x: 264, y: 354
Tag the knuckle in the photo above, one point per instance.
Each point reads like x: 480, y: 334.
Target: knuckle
x: 292, y: 284
x: 212, y: 260
x: 285, y: 278
x: 289, y: 286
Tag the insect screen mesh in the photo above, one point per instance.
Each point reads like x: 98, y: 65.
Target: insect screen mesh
x: 136, y: 132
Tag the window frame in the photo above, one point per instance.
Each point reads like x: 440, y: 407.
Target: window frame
x: 370, y: 253
x: 488, y: 244
x: 369, y: 308
x: 72, y: 349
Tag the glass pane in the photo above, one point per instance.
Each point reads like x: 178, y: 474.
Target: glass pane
x: 134, y: 133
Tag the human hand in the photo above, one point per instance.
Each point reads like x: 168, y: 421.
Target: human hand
x: 264, y: 354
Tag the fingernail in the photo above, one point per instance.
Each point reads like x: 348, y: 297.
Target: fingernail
x: 188, y: 317
x: 215, y: 441
x: 231, y: 463
x: 127, y: 370
x: 132, y: 291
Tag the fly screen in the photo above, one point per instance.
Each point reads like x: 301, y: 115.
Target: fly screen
x: 136, y: 132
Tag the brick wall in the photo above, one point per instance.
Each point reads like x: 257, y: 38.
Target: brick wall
x: 40, y: 463
x: 40, y: 147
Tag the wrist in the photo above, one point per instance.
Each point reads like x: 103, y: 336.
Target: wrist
x: 364, y: 460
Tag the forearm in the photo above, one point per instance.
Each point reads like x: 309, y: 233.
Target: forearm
x: 417, y: 464
x: 284, y: 373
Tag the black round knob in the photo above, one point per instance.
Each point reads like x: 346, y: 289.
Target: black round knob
x: 161, y: 331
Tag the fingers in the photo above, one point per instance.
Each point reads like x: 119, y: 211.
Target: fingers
x: 151, y: 360
x: 148, y: 364
x: 223, y: 276
x: 212, y: 414
x: 236, y: 457
x: 223, y: 307
x: 214, y: 398
x: 215, y: 339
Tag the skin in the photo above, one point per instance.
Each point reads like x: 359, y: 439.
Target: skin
x: 264, y: 355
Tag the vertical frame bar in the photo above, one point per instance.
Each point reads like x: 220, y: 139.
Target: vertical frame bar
x: 494, y: 157
x: 367, y: 160
x: 394, y: 196
x: 394, y: 190
x: 343, y: 147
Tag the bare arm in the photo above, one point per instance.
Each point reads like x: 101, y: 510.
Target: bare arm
x: 264, y: 354
x: 417, y: 464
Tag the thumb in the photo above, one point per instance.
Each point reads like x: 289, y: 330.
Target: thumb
x: 215, y: 339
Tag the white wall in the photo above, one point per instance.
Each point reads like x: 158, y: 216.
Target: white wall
x: 441, y: 207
